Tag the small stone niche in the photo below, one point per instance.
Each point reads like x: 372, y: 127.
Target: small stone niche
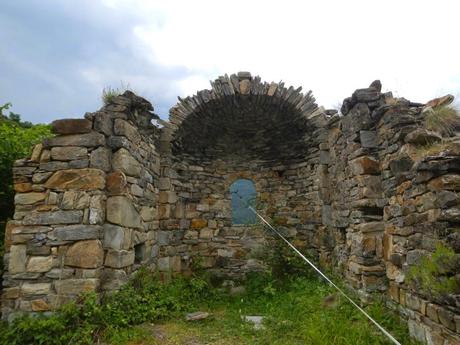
x: 139, y: 253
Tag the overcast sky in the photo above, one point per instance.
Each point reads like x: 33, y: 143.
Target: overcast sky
x: 56, y: 56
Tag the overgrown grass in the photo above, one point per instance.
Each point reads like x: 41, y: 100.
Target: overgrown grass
x: 444, y: 120
x: 434, y: 275
x: 295, y: 312
x: 109, y: 93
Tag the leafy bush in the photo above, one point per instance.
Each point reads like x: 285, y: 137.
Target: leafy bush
x: 444, y: 120
x: 282, y: 262
x: 16, y: 141
x: 435, y: 274
x: 144, y: 298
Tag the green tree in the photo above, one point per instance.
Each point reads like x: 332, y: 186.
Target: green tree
x: 16, y: 141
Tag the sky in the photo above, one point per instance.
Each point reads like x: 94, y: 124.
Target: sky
x: 56, y: 56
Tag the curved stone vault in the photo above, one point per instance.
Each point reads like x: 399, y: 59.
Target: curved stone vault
x: 242, y: 116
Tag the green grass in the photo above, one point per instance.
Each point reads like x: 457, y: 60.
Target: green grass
x: 295, y: 313
x: 109, y: 93
x: 149, y: 312
x: 444, y: 120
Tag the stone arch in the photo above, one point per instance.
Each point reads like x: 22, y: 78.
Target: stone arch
x: 243, y: 117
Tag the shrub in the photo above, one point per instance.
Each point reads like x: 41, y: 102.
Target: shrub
x: 444, y: 120
x: 85, y: 321
x: 16, y: 141
x: 435, y: 274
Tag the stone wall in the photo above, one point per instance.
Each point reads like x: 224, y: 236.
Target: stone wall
x: 85, y: 208
x: 112, y: 192
x: 390, y: 204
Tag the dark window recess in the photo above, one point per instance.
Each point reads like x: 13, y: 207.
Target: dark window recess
x: 139, y: 253
x: 243, y: 195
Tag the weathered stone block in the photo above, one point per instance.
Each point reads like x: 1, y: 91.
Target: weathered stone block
x: 40, y: 264
x: 164, y: 183
x: 368, y: 139
x: 448, y: 182
x: 163, y: 264
x: 75, y: 200
x: 100, y: 159
x: 447, y: 318
x: 123, y: 161
x: 68, y: 153
x: 57, y: 273
x: 116, y: 237
x: 199, y: 223
x: 58, y: 217
x: 36, y: 153
x: 41, y: 177
x: 364, y: 165
x: 121, y: 211
x: 432, y: 312
x: 76, y: 286
x: 113, y: 279
x: 148, y: 213
x: 87, y: 140
x: 85, y: 254
x: 29, y: 289
x: 122, y: 127
x: 421, y: 136
x: 77, y: 232
x: 23, y: 187
x: 79, y: 179
x: 119, y: 258
x: 17, y: 260
x: 116, y: 182
x: 39, y: 305
x: 71, y: 126
x: 29, y: 198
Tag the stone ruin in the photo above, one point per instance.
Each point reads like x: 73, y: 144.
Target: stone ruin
x: 112, y: 192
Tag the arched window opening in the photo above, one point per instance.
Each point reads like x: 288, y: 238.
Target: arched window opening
x: 243, y: 195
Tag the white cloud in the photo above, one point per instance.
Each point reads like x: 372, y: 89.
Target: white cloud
x: 164, y: 49
x: 330, y: 46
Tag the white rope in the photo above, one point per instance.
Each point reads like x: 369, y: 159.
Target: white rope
x: 383, y: 330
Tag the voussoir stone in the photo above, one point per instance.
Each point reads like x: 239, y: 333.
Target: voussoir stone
x: 123, y: 161
x: 85, y: 254
x: 87, y: 140
x: 79, y: 179
x: 71, y: 126
x: 121, y: 211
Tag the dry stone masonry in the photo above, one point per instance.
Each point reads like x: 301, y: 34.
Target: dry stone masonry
x: 112, y: 192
